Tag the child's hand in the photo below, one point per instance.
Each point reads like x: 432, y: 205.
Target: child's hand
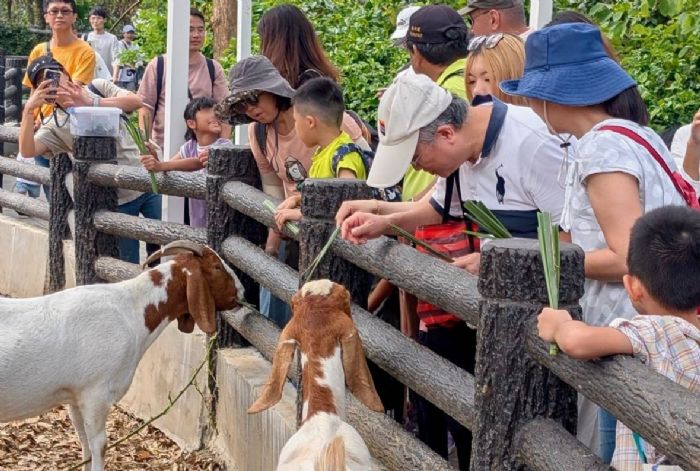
x: 549, y: 321
x: 290, y: 203
x: 203, y: 157
x: 284, y: 215
x: 43, y: 94
x: 150, y: 163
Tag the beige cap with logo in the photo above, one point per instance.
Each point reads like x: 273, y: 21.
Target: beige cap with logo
x: 412, y: 102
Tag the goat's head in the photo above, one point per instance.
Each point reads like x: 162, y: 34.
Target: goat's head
x: 209, y: 284
x: 321, y: 321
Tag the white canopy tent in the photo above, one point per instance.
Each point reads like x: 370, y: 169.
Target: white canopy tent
x: 177, y: 73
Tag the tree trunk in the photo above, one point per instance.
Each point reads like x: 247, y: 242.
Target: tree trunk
x: 36, y: 14
x: 223, y: 21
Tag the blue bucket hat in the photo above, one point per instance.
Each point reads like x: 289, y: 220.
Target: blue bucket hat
x: 567, y: 64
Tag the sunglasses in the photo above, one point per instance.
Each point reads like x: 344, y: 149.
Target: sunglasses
x: 251, y: 98
x: 487, y: 42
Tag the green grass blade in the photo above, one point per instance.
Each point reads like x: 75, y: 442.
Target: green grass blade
x: 548, y: 237
x: 290, y: 226
x: 480, y: 235
x: 486, y: 220
x: 308, y: 273
x: 408, y: 236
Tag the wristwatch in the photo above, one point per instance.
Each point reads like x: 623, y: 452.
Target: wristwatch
x: 96, y: 101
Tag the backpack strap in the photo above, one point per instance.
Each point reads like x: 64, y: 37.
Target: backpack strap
x: 260, y: 133
x: 456, y: 73
x: 91, y: 86
x: 683, y: 187
x: 212, y: 74
x: 84, y: 37
x: 344, y: 150
x: 48, y: 48
x: 160, y: 70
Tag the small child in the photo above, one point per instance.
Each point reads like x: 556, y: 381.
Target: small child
x: 664, y: 286
x: 203, y: 130
x: 318, y: 114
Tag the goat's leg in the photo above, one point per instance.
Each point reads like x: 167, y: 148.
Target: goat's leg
x: 95, y: 417
x: 77, y: 418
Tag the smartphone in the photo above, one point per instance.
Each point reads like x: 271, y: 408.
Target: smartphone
x: 55, y: 77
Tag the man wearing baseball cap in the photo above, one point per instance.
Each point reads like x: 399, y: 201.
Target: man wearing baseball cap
x: 438, y: 42
x: 496, y: 16
x: 125, y: 75
x: 501, y: 155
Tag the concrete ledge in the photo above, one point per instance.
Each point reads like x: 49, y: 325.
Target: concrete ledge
x: 24, y: 260
x: 250, y: 442
x: 165, y: 369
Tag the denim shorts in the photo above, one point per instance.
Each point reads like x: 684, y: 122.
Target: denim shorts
x: 31, y: 189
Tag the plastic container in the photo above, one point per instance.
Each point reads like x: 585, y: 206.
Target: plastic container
x: 94, y: 121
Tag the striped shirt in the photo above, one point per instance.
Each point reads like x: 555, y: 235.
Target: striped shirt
x: 670, y: 346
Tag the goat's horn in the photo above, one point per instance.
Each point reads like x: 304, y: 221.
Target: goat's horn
x: 173, y: 248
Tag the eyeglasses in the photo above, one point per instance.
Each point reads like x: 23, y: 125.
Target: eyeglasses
x: 250, y: 98
x: 471, y: 17
x: 487, y: 42
x: 62, y: 12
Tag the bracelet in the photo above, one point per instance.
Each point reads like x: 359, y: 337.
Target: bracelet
x: 376, y: 208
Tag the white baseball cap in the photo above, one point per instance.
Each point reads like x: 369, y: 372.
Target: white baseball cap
x: 412, y: 102
x: 402, y: 22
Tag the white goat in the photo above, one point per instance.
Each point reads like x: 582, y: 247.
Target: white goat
x: 331, y: 357
x: 81, y: 346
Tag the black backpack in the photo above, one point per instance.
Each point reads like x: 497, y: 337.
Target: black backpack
x: 391, y: 193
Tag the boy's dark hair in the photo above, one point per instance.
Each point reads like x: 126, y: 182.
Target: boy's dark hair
x: 444, y: 53
x: 99, y: 11
x: 664, y: 253
x: 70, y: 2
x: 197, y: 13
x: 191, y: 110
x: 322, y: 98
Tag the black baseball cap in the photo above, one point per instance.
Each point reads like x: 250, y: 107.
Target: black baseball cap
x: 430, y: 24
x: 473, y: 5
x: 45, y: 62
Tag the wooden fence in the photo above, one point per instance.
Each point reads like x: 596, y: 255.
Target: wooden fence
x: 521, y: 403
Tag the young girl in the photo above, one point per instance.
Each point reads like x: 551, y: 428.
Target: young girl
x: 203, y: 130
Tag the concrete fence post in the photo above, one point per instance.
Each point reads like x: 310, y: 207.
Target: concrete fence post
x: 89, y: 198
x: 511, y: 388
x: 59, y: 207
x: 232, y: 163
x: 320, y: 201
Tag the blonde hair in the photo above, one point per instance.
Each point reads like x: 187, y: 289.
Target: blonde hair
x: 504, y: 61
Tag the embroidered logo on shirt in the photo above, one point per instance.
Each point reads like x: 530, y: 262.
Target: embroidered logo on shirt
x: 295, y: 170
x: 500, y: 187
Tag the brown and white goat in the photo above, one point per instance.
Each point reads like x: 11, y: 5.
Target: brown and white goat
x: 81, y: 346
x: 331, y: 357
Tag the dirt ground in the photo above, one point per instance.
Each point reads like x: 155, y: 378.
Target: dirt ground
x: 49, y: 442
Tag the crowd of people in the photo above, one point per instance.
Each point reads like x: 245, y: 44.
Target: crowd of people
x: 486, y: 109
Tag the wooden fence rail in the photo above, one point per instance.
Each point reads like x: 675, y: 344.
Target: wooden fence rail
x: 520, y: 405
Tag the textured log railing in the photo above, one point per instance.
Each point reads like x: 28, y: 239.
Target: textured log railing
x: 21, y: 204
x: 625, y: 387
x: 9, y: 134
x: 25, y: 170
x: 523, y: 432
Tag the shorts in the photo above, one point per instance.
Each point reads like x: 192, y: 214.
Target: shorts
x: 26, y: 188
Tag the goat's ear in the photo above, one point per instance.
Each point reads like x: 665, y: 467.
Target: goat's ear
x: 272, y: 392
x: 200, y: 301
x: 357, y: 375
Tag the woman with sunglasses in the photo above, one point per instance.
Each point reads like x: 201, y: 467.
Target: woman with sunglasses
x: 491, y: 60
x: 619, y: 170
x: 260, y: 95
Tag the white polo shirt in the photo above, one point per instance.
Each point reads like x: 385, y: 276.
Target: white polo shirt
x: 516, y: 175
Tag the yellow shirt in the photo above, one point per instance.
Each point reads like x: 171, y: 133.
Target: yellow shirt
x: 452, y: 78
x: 415, y: 181
x: 322, y: 160
x: 78, y: 59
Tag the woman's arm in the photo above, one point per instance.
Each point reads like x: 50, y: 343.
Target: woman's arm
x: 616, y: 204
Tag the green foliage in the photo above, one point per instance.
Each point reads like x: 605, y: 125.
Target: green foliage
x: 658, y: 42
x: 18, y: 40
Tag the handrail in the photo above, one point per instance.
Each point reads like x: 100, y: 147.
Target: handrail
x: 25, y: 170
